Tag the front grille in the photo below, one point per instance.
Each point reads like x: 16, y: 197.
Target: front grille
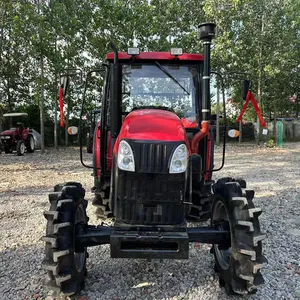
x: 150, y: 199
x: 152, y: 157
x: 6, y: 139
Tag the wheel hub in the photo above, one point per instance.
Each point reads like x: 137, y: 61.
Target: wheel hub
x: 22, y: 148
x: 221, y: 220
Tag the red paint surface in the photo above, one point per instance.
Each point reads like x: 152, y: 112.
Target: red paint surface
x: 250, y: 97
x: 8, y: 132
x: 96, y: 151
x: 16, y: 132
x: 188, y: 123
x: 61, y: 108
x: 152, y: 124
x: 156, y: 56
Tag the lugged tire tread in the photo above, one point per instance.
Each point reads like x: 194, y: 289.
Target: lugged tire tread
x: 49, y: 214
x: 50, y: 240
x: 59, y: 247
x: 248, y: 261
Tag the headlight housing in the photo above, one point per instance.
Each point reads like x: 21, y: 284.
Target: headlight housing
x: 179, y: 160
x: 125, y: 157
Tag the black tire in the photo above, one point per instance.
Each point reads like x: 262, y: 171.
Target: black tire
x: 7, y: 150
x: 90, y: 144
x: 101, y: 202
x: 30, y: 144
x: 20, y: 148
x: 65, y: 267
x: 239, y: 269
x: 201, y: 208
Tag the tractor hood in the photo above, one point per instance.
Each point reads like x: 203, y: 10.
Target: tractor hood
x: 7, y: 132
x: 152, y: 124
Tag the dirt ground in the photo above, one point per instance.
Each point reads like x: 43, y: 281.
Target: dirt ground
x: 25, y: 182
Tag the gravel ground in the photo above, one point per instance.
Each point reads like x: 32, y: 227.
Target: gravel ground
x: 26, y: 181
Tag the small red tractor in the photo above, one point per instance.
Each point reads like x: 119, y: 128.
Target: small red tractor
x: 152, y: 167
x: 18, y: 138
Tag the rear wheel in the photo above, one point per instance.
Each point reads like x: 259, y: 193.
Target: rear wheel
x: 20, y: 147
x: 101, y: 202
x: 30, y: 144
x: 65, y: 265
x: 239, y: 261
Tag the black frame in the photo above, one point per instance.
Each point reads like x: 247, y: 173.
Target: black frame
x: 143, y: 242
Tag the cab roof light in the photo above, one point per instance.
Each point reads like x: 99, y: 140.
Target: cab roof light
x: 133, y: 51
x: 176, y: 51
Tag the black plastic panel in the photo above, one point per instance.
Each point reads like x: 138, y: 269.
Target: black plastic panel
x: 150, y: 199
x: 149, y: 245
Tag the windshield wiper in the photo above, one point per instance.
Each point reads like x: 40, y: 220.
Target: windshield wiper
x: 170, y: 76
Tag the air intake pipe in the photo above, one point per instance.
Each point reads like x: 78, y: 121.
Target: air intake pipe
x: 206, y: 34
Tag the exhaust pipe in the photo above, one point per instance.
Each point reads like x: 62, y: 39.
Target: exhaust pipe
x: 206, y: 34
x: 116, y: 95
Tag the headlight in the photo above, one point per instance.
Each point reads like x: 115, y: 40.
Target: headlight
x: 5, y: 137
x: 179, y: 160
x: 125, y: 157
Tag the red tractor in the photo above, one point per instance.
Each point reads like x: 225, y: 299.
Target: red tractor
x: 153, y: 161
x: 19, y: 137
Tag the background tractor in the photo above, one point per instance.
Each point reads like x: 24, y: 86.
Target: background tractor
x: 18, y: 137
x: 152, y: 168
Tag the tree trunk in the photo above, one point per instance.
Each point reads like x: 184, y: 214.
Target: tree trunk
x: 55, y: 122
x: 260, y: 70
x: 218, y: 117
x: 241, y: 126
x: 42, y: 128
x: 274, y: 124
x: 67, y: 119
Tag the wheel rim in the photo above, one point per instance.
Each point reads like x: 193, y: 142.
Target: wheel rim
x: 31, y: 143
x: 79, y: 257
x: 220, y: 214
x: 22, y: 148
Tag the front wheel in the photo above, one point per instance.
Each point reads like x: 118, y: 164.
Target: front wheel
x: 20, y: 148
x: 65, y: 265
x: 240, y: 259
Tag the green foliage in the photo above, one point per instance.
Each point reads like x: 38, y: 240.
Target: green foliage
x: 255, y: 36
x: 271, y: 142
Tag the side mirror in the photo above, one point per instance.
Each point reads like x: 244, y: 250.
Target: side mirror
x: 246, y: 87
x: 73, y: 130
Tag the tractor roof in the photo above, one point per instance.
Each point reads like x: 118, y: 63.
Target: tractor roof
x: 15, y: 114
x: 156, y: 56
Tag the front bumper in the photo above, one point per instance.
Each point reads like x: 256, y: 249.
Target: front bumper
x: 150, y: 242
x: 172, y: 245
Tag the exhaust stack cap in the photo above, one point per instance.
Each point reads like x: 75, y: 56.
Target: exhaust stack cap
x: 206, y: 31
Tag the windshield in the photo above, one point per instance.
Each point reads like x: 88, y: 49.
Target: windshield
x: 149, y: 85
